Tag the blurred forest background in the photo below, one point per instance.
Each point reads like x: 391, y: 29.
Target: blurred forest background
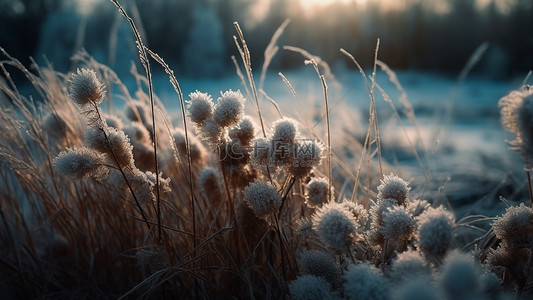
x: 195, y: 36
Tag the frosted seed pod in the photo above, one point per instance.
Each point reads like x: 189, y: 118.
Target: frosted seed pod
x: 263, y: 199
x: 85, y: 87
x: 229, y: 109
x: 199, y: 106
x: 80, y: 163
x: 393, y: 187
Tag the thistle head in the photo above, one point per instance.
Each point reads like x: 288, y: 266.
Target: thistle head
x: 320, y: 264
x: 244, y: 131
x: 285, y: 130
x: 307, y: 155
x: 515, y: 227
x: 85, y: 88
x: 229, y: 109
x: 316, y: 192
x: 335, y: 226
x: 407, y: 265
x: 393, y: 187
x: 79, y: 163
x: 459, y: 276
x: 263, y: 198
x: 435, y: 231
x: 200, y: 106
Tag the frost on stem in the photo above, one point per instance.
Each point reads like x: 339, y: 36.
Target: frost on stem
x: 517, y: 118
x: 335, y: 226
x: 229, y: 109
x: 435, y: 231
x: 364, y: 281
x: 263, y: 198
x: 310, y: 287
x: 393, y: 187
x: 85, y: 87
x: 80, y: 163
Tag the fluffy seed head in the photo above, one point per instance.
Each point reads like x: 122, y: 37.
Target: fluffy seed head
x: 285, y: 130
x: 408, y: 265
x: 397, y: 224
x: 364, y: 281
x: 359, y: 213
x: 113, y: 121
x: 320, y: 264
x: 80, y: 163
x: 143, y: 151
x: 316, y: 191
x: 117, y: 145
x: 200, y: 106
x: 434, y: 234
x: 515, y: 227
x: 334, y: 225
x: 244, y: 131
x: 310, y: 287
x: 459, y: 276
x: 307, y: 155
x: 516, y: 116
x: 416, y: 289
x: 263, y: 198
x: 393, y: 187
x: 229, y: 109
x: 210, y: 132
x: 85, y: 87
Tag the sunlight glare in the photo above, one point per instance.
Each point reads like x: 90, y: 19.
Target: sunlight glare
x: 85, y: 7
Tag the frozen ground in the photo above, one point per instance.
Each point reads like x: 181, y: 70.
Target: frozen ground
x: 463, y: 153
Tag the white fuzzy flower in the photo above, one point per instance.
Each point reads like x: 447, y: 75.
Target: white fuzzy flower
x: 334, y: 225
x: 229, y: 109
x: 316, y: 191
x: 364, y: 281
x: 517, y: 115
x: 200, y: 107
x: 435, y: 227
x: 244, y: 131
x: 85, y: 87
x: 285, y: 130
x: 80, y: 162
x: 398, y: 225
x: 320, y: 264
x: 263, y: 198
x: 393, y: 187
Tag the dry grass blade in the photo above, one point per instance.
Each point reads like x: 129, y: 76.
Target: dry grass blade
x: 177, y: 88
x: 247, y: 61
x: 146, y: 64
x: 271, y: 51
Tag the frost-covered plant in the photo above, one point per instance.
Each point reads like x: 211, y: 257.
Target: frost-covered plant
x: 200, y: 107
x: 316, y: 192
x: 393, y: 187
x: 142, y: 150
x: 409, y: 265
x: 310, y: 287
x: 360, y: 214
x: 435, y: 231
x: 229, y: 109
x: 363, y: 281
x: 264, y: 200
x: 513, y: 256
x: 417, y: 288
x: 515, y: 227
x: 244, y: 132
x: 459, y: 276
x: 85, y: 88
x: 81, y: 162
x: 320, y: 264
x: 516, y: 116
x: 285, y: 130
x: 335, y: 226
x: 307, y: 155
x: 111, y: 141
x: 375, y: 236
x: 398, y: 227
